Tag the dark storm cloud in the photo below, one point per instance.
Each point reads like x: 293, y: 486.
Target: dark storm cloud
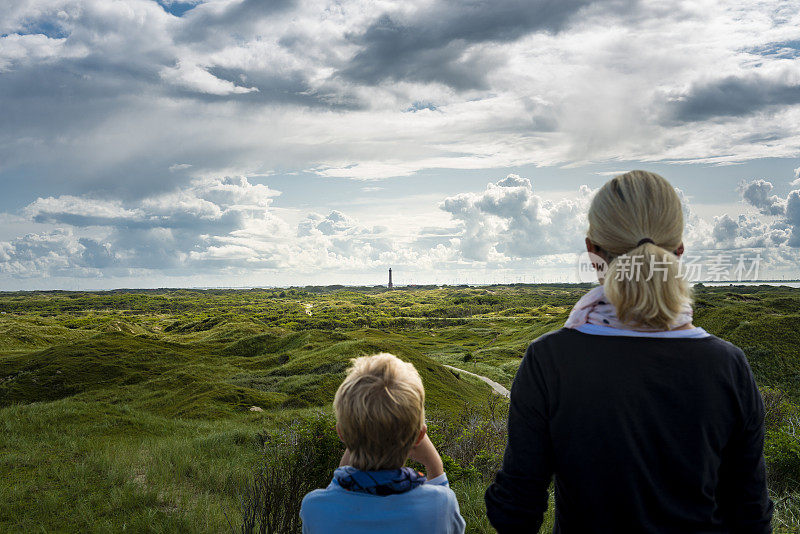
x: 431, y: 45
x: 734, y: 96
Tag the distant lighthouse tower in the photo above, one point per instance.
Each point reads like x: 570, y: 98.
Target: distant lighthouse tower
x: 390, y: 278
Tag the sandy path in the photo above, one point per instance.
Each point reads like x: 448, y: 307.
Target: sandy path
x: 498, y: 388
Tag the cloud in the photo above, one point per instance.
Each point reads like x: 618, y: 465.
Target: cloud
x: 507, y: 220
x: 757, y: 193
x: 33, y: 49
x: 793, y: 217
x: 725, y: 229
x: 79, y: 211
x: 44, y: 254
x: 214, y: 225
x: 215, y: 20
x: 163, y: 231
x: 196, y: 78
x: 115, y: 115
x: 746, y: 232
x: 786, y: 228
x: 94, y: 89
x: 433, y: 42
x: 228, y: 227
x: 697, y: 231
x: 735, y: 96
x: 339, y: 238
x: 97, y: 254
x: 772, y: 228
x: 335, y: 223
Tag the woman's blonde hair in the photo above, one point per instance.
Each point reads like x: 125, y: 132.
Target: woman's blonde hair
x: 636, y: 218
x: 380, y: 411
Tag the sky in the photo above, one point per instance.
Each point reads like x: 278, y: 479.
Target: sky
x: 239, y: 143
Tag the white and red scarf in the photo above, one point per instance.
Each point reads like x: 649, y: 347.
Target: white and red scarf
x: 594, y: 308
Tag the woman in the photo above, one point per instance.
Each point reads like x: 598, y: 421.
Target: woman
x: 648, y: 423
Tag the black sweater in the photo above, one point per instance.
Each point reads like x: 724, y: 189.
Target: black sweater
x: 642, y: 434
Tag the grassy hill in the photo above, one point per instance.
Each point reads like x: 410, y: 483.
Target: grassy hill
x: 134, y: 410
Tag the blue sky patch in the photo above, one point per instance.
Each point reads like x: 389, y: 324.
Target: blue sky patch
x: 178, y: 8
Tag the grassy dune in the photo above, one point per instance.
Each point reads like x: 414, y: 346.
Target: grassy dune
x: 133, y: 410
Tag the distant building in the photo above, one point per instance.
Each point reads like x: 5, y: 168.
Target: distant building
x: 390, y: 278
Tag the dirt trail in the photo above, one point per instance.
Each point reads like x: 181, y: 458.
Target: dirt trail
x: 498, y: 388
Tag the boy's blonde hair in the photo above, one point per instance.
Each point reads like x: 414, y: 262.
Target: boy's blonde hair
x: 626, y: 212
x: 380, y: 410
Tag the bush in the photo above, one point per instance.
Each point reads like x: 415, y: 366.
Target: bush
x: 778, y: 408
x: 473, y: 441
x: 296, y: 461
x: 782, y: 453
x: 782, y: 442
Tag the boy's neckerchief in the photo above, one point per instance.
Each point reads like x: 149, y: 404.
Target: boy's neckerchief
x: 385, y: 482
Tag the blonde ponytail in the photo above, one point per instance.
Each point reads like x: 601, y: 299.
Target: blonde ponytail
x: 637, y: 220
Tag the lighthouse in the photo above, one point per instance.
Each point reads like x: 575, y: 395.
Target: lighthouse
x: 390, y: 278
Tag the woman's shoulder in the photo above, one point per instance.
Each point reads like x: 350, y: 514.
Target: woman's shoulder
x: 569, y: 340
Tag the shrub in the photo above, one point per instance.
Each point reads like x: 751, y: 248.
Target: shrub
x: 778, y: 408
x: 474, y: 440
x: 782, y: 442
x: 782, y: 453
x: 297, y: 460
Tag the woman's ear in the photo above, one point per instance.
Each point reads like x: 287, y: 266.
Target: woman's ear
x: 591, y: 248
x: 422, y: 433
x: 679, y: 251
x: 598, y: 259
x: 596, y: 250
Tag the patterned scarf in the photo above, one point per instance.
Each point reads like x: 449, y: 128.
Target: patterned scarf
x: 386, y: 482
x: 593, y: 308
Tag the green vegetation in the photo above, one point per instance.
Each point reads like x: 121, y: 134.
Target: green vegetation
x: 167, y: 410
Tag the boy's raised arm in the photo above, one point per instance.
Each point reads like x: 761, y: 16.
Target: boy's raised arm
x: 425, y: 453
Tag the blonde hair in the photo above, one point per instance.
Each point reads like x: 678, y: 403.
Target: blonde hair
x: 628, y: 209
x: 380, y: 410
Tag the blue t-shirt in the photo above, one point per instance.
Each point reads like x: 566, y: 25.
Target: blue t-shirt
x: 430, y: 507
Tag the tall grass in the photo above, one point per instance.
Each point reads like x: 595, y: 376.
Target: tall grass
x: 296, y: 460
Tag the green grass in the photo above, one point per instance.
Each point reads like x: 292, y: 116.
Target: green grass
x: 130, y: 410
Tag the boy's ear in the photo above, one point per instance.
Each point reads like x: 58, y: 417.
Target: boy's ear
x: 422, y: 433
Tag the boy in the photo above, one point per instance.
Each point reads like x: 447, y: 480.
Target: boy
x: 380, y: 417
